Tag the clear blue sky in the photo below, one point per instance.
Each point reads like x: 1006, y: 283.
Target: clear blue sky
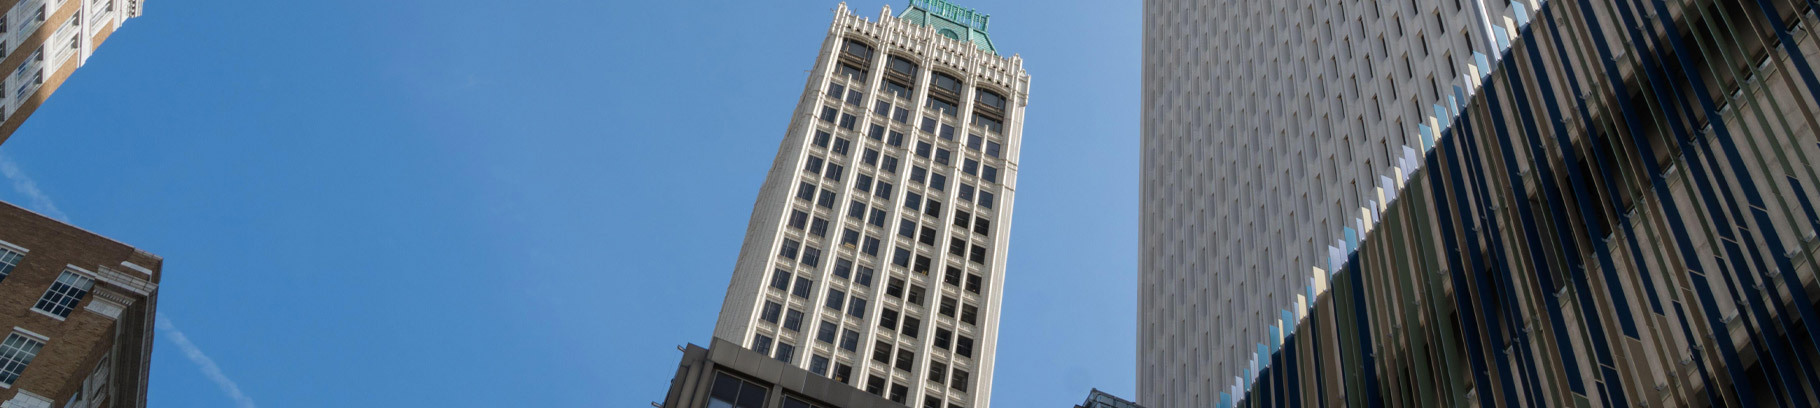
x: 531, y: 203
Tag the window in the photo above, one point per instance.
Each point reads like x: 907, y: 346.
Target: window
x: 881, y: 108
x: 780, y: 279
x: 788, y: 249
x: 931, y: 401
x: 922, y: 149
x: 869, y: 247
x: 812, y: 256
x: 900, y: 66
x: 966, y: 193
x: 897, y: 89
x: 985, y: 199
x: 927, y: 236
x: 974, y: 141
x: 836, y: 298
x: 784, y: 352
x: 894, y: 287
x: 864, y: 276
x: 906, y: 228
x: 875, y: 385
x: 855, y: 98
x: 881, y: 352
x: 901, y: 115
x: 912, y: 326
x: 826, y: 333
x: 772, y: 309
x: 8, y: 260
x: 913, y: 201
x: 896, y: 139
x: 905, y: 359
x: 941, y: 156
x: 883, y: 190
x: 943, y: 337
x: 848, y: 238
x: 761, y: 344
x: 805, y: 191
x: 802, y: 287
x: 992, y: 149
x: 937, y: 181
x: 887, y: 319
x: 918, y: 173
x: 969, y: 314
x: 888, y: 164
x: 938, y: 372
x: 963, y: 346
x: 870, y: 157
x: 947, y: 306
x: 953, y: 275
x: 901, y: 258
x: 15, y: 353
x: 797, y: 219
x: 64, y: 294
x: 982, y: 226
x: 947, y: 132
x: 732, y: 392
x: 921, y: 265
x: 858, y: 49
x: 841, y: 145
x: 857, y: 308
x: 835, y: 90
x: 989, y: 174
x: 853, y: 72
x: 856, y: 210
x: 834, y: 170
x: 928, y: 125
x: 945, y: 82
x: 826, y: 200
x: 977, y: 255
x: 793, y: 320
x: 817, y: 365
x: 932, y: 208
x: 989, y: 99
x: 849, y: 340
x: 828, y: 115
x: 961, y: 219
x: 960, y: 380
x: 819, y: 227
x: 973, y: 283
x: 842, y: 372
x: 813, y: 165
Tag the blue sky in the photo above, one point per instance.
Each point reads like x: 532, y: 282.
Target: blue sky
x: 529, y: 203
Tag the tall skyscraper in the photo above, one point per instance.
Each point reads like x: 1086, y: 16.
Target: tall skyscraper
x: 76, y: 315
x: 42, y: 42
x: 878, y: 242
x: 1470, y: 202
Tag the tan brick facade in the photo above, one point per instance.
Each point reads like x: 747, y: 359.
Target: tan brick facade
x: 113, y: 321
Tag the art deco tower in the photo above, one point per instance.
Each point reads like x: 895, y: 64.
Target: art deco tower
x: 878, y: 242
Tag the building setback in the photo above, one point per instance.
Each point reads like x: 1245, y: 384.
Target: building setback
x: 42, y: 42
x: 878, y: 241
x: 1526, y: 203
x: 76, y: 315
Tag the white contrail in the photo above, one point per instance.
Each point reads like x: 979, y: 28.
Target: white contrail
x: 203, y: 362
x: 24, y: 185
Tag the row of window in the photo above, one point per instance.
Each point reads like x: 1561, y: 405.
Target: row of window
x: 58, y: 301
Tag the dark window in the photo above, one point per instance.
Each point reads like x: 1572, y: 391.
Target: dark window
x: 901, y: 66
x: 854, y: 72
x: 793, y: 320
x: 780, y: 279
x: 732, y: 392
x: 847, y: 121
x: 812, y: 256
x: 945, y: 82
x: 943, y: 337
x: 894, y: 88
x: 878, y: 218
x: 912, y: 326
x: 802, y: 287
x: 826, y: 200
x: 947, y: 132
x: 900, y: 115
x: 864, y: 184
x: 982, y: 226
x: 957, y: 247
x: 887, y: 318
x: 921, y: 265
x: 898, y: 391
x: 894, y: 287
x: 992, y: 125
x: 869, y: 246
x: 918, y: 173
x: 966, y: 193
x: 970, y: 166
x: 870, y: 157
x: 906, y: 228
x: 857, y: 308
x: 973, y: 283
x: 901, y: 258
x: 788, y: 249
x: 883, y: 190
x: 978, y: 255
x: 962, y: 218
x: 813, y: 165
x: 849, y: 340
x: 881, y: 352
x: 858, y: 49
x: 828, y: 115
x: 992, y: 149
x: 938, y: 373
x: 914, y: 296
x: 836, y: 298
x: 818, y: 227
x: 974, y: 141
x: 875, y: 385
x: 989, y: 99
x: 827, y: 332
x: 953, y: 275
x: 933, y: 208
x: 913, y: 201
x: 941, y: 156
x: 931, y: 401
x: 905, y: 359
x: 922, y: 149
x: 947, y: 306
x: 969, y: 314
x: 821, y: 138
x: 842, y: 372
x: 938, y: 181
x: 888, y: 164
x: 864, y: 276
x: 855, y: 98
x: 985, y: 199
x: 856, y: 210
x: 881, y: 108
x: 877, y: 132
x: 843, y: 267
x: 960, y: 380
x: 835, y: 90
x: 963, y: 346
x: 798, y: 218
x: 805, y: 191
x: 927, y: 236
x: 771, y: 311
x: 989, y: 174
x: 928, y: 125
x: 834, y: 170
x: 817, y: 365
x: 841, y: 144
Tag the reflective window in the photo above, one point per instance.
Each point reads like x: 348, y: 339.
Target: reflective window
x: 733, y: 392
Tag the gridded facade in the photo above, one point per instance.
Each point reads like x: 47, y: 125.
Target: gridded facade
x: 42, y: 42
x: 1577, y: 202
x: 879, y: 237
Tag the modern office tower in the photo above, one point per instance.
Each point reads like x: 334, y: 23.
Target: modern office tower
x: 76, y: 312
x: 42, y: 42
x: 1470, y: 202
x: 879, y: 238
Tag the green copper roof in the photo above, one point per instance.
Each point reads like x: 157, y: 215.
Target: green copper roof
x: 951, y: 20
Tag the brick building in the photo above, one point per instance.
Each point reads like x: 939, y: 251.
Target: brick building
x: 43, y: 42
x: 77, y: 311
